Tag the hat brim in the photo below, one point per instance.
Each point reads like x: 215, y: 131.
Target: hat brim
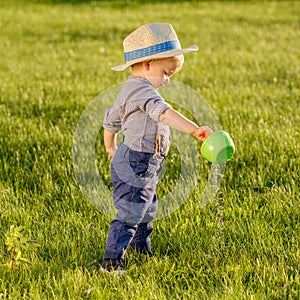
x: 165, y: 54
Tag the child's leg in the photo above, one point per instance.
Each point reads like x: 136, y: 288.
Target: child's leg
x: 134, y: 196
x: 119, y: 237
x: 141, y: 242
x: 133, y: 209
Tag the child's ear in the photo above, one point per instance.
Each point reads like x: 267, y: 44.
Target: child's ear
x: 146, y: 64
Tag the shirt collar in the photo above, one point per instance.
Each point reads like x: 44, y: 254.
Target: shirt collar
x: 139, y: 79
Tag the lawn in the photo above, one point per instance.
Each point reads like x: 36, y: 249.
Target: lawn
x: 243, y: 243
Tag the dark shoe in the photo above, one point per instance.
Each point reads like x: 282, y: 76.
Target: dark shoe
x: 114, y: 266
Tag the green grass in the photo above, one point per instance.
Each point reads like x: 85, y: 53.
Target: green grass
x: 55, y: 58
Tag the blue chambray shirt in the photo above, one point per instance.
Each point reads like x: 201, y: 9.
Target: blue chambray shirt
x: 136, y: 111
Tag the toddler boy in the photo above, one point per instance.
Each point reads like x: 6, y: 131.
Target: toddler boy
x: 154, y: 53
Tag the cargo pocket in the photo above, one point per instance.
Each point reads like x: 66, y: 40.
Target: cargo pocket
x: 143, y: 164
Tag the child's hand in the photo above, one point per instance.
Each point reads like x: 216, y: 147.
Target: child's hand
x: 111, y: 152
x: 202, y: 132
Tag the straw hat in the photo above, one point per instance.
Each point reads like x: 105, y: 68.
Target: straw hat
x: 157, y: 40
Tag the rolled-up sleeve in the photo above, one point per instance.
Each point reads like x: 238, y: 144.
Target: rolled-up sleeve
x: 113, y: 120
x: 153, y: 104
x: 155, y: 108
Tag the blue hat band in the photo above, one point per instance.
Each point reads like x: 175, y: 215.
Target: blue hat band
x: 155, y: 49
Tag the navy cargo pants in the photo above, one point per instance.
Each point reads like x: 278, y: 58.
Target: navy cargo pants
x: 134, y: 178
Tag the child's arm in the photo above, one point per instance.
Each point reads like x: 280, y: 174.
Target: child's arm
x: 176, y: 120
x: 110, y: 143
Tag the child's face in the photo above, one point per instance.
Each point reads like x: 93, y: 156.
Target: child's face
x: 159, y: 71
